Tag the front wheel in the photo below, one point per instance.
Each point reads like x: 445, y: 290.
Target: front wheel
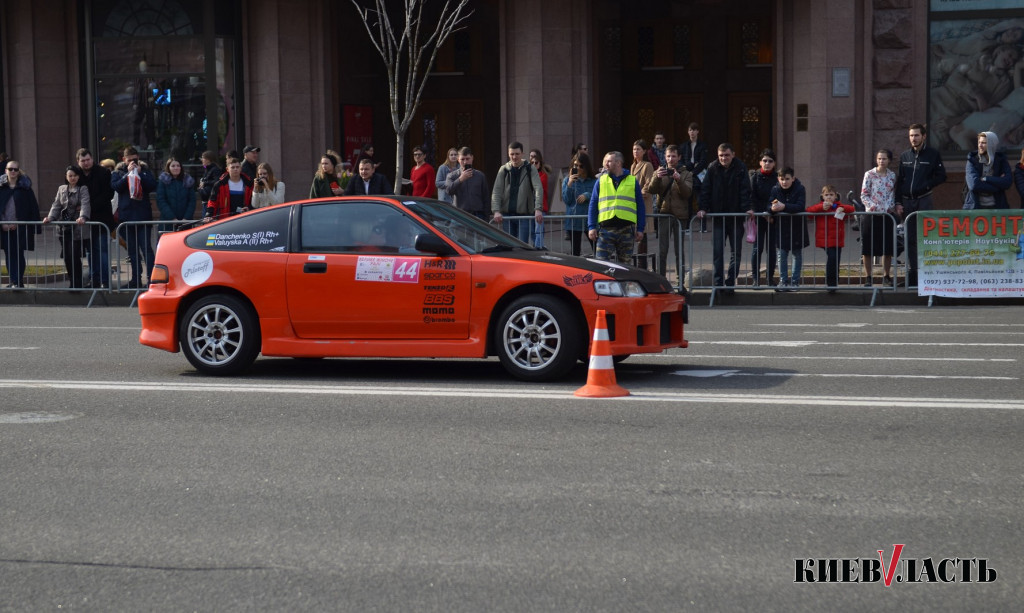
x: 538, y: 338
x: 219, y: 335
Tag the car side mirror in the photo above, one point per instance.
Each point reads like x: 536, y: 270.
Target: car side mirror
x: 431, y: 243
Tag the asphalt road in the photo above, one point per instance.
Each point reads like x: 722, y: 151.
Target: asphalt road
x: 131, y: 483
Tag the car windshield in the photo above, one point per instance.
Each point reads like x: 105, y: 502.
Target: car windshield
x: 472, y: 233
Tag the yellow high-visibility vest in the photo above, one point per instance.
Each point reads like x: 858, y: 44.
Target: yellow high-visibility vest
x: 621, y: 202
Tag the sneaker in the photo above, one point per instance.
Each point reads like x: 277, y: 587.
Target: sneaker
x: 783, y: 286
x: 887, y: 280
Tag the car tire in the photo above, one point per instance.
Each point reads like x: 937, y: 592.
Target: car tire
x: 538, y: 338
x: 220, y: 335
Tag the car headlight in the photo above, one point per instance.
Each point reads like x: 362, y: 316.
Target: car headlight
x: 630, y: 289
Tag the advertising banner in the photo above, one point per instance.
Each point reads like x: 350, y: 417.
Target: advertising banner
x: 967, y: 254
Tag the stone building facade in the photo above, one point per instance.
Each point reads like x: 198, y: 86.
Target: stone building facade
x: 825, y: 84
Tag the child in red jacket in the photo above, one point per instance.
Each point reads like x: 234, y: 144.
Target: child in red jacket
x: 830, y: 232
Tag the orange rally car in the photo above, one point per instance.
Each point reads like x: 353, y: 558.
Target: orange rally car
x: 395, y: 277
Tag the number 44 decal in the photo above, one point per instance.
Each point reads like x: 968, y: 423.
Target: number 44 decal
x: 407, y: 270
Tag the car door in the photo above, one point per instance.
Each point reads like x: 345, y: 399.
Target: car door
x: 356, y: 275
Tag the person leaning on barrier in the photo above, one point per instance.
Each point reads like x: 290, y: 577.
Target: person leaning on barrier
x: 726, y: 189
x: 17, y: 203
x: 517, y: 191
x: 671, y: 185
x: 789, y: 201
x: 71, y: 204
x: 830, y: 232
x: 762, y: 180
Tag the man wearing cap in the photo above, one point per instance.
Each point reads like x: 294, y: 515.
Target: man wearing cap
x: 252, y: 160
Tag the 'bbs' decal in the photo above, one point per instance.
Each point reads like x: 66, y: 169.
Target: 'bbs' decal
x: 439, y: 299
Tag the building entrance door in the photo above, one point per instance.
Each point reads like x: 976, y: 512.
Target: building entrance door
x: 646, y: 115
x: 750, y: 125
x: 442, y: 124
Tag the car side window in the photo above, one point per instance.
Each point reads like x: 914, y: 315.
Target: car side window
x: 364, y: 227
x: 263, y: 231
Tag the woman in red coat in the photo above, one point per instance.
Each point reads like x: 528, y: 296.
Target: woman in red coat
x: 830, y: 232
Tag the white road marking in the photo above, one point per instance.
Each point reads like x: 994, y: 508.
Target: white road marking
x: 18, y: 348
x: 831, y: 343
x: 564, y: 394
x: 844, y: 375
x: 89, y: 328
x: 695, y: 356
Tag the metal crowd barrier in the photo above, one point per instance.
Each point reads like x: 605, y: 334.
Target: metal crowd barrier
x: 46, y: 268
x: 753, y: 272
x: 558, y: 235
x: 688, y: 261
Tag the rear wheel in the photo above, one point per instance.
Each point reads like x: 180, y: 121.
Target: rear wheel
x: 219, y: 335
x: 538, y: 338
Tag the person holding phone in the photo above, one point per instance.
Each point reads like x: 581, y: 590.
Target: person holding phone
x: 468, y: 186
x: 576, y: 191
x: 133, y: 182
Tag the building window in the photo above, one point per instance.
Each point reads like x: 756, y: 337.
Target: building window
x: 750, y: 133
x: 160, y: 81
x: 975, y: 65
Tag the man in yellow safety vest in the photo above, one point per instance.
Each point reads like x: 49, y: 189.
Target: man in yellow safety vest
x: 616, y: 217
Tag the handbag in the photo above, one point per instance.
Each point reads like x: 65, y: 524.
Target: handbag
x: 750, y: 225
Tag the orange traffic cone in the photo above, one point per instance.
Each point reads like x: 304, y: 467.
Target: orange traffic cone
x: 601, y: 376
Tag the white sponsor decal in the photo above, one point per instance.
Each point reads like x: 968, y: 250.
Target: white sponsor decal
x: 197, y: 268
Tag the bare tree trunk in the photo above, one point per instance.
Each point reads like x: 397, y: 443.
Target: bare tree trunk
x: 418, y: 51
x: 399, y: 149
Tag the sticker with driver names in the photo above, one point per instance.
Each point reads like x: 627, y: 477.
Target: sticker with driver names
x: 197, y: 268
x: 388, y: 270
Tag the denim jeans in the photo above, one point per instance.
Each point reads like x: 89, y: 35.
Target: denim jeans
x: 723, y: 228
x: 519, y: 228
x: 137, y: 238
x: 538, y: 235
x: 798, y: 263
x: 99, y: 256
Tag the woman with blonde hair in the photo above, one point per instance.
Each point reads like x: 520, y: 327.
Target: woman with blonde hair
x: 326, y: 182
x: 442, y: 175
x: 266, y: 190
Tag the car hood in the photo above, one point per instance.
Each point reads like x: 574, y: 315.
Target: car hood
x: 652, y: 283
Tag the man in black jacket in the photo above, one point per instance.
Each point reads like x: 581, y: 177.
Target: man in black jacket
x: 368, y: 182
x: 920, y: 171
x: 97, y: 181
x: 725, y: 189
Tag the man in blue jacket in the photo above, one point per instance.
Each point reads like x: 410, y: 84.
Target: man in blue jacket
x: 133, y: 183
